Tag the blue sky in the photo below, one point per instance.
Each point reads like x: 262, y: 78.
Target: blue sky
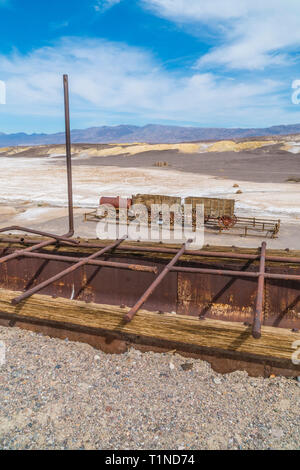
x: 211, y: 63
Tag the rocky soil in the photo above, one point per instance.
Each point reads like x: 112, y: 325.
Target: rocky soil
x: 58, y: 394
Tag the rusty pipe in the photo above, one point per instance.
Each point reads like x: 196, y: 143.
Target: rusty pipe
x: 183, y: 269
x: 217, y: 272
x: 224, y: 272
x: 68, y: 155
x: 38, y: 232
x: 108, y: 264
x: 256, y: 328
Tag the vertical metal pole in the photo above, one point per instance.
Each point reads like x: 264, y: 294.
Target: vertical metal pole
x: 256, y: 330
x: 68, y: 154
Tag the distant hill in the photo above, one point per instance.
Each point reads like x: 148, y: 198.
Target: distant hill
x: 150, y: 133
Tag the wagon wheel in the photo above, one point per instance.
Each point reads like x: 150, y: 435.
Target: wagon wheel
x: 225, y: 222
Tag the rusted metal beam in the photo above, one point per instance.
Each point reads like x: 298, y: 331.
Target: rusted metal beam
x: 68, y: 154
x: 153, y: 269
x: 224, y: 272
x: 129, y: 316
x: 217, y: 272
x: 63, y: 273
x: 256, y: 329
x: 63, y: 238
x: 108, y: 264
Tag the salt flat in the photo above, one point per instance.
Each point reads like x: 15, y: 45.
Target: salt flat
x: 33, y: 182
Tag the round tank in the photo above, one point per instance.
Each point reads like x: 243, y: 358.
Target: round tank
x: 117, y: 202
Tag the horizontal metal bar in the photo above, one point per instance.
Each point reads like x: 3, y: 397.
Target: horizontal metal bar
x: 223, y: 272
x: 135, y: 267
x: 217, y: 272
x: 38, y: 232
x: 108, y: 264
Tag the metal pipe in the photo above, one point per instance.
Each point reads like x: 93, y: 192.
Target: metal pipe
x: 129, y: 316
x: 223, y: 272
x: 38, y: 232
x: 217, y: 272
x: 64, y: 273
x: 183, y: 269
x: 68, y: 155
x: 108, y: 264
x: 256, y: 328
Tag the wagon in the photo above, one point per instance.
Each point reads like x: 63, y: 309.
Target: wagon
x: 218, y: 212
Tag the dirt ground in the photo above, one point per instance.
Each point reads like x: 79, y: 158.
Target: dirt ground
x: 57, y: 394
x: 268, y: 164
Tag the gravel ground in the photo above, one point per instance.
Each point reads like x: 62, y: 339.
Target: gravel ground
x: 58, y: 394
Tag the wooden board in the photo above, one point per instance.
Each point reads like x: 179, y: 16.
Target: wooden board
x: 276, y: 344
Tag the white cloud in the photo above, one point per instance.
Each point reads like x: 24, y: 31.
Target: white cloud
x: 191, y: 10
x: 104, y: 5
x: 252, y: 34
x: 111, y: 79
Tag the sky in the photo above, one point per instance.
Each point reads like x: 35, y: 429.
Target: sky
x: 207, y: 63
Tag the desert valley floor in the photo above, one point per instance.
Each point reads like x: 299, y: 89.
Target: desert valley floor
x: 263, y: 176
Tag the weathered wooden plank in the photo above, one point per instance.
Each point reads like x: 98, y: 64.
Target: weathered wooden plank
x: 275, y: 343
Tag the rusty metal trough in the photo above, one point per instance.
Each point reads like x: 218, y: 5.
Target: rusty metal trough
x: 256, y: 292
x: 236, y: 308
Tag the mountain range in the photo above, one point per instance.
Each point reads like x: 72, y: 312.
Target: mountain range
x: 150, y: 133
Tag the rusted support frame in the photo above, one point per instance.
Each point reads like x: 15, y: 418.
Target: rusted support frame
x: 65, y: 272
x: 108, y: 264
x: 258, y: 316
x: 129, y: 316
